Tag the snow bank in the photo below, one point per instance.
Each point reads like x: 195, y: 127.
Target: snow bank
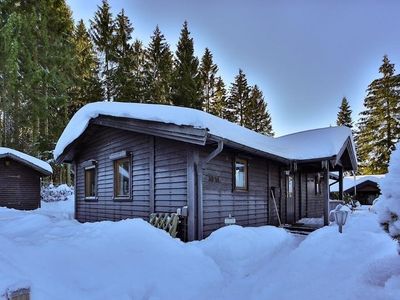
x: 295, y: 146
x: 23, y: 157
x: 64, y: 259
x: 238, y: 250
x: 51, y: 193
x: 388, y: 205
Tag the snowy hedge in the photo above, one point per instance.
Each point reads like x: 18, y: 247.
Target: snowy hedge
x: 53, y: 193
x: 388, y: 205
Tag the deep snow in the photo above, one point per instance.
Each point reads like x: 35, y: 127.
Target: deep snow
x: 60, y: 258
x: 300, y: 145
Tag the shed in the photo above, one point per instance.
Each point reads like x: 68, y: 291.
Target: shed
x: 20, y: 179
x: 131, y: 160
x: 363, y: 188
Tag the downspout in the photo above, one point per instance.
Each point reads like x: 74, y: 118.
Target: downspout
x: 202, y: 166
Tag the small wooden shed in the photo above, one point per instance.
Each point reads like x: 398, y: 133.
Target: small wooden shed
x: 20, y: 176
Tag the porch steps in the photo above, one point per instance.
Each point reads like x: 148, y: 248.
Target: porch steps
x: 300, y: 229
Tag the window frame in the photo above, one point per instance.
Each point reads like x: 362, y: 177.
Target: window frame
x: 89, y: 168
x: 116, y: 197
x: 245, y: 162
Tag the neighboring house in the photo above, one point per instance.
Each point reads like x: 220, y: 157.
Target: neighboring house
x: 20, y: 176
x: 364, y: 188
x: 134, y: 159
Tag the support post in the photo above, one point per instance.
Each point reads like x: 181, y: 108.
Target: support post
x: 152, y: 175
x: 341, y: 183
x: 326, y: 194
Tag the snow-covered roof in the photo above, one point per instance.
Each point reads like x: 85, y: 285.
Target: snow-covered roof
x: 26, y: 159
x: 318, y: 143
x: 349, y: 182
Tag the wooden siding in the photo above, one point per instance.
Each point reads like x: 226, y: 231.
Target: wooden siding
x: 158, y: 174
x: 250, y: 208
x: 315, y: 202
x: 99, y: 143
x: 19, y: 186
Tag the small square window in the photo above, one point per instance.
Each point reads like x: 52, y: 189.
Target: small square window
x: 240, y: 175
x: 122, y: 178
x: 90, y: 182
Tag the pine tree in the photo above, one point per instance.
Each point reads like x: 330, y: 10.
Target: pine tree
x: 258, y: 117
x: 344, y: 114
x: 238, y: 100
x: 185, y: 85
x: 158, y: 69
x: 379, y: 125
x: 102, y: 32
x: 138, y: 75
x: 122, y: 55
x: 219, y: 103
x: 87, y: 86
x: 207, y: 72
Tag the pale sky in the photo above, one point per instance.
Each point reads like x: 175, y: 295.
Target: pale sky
x: 305, y: 55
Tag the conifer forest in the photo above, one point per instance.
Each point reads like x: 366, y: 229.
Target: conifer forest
x: 51, y: 65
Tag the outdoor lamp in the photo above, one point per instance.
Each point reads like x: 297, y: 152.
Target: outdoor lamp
x: 340, y: 218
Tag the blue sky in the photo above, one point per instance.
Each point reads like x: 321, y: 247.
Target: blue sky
x: 305, y: 55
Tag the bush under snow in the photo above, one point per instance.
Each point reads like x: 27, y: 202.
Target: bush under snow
x: 388, y: 205
x: 51, y: 193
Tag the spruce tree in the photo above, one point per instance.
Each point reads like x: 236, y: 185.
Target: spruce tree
x: 344, y: 114
x: 378, y: 127
x: 158, y: 69
x: 207, y: 72
x: 219, y: 103
x: 238, y: 100
x: 87, y: 86
x: 102, y: 32
x: 185, y: 84
x: 257, y: 115
x: 122, y: 56
x: 138, y: 76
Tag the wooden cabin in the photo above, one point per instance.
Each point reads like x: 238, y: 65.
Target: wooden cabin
x: 131, y: 160
x: 20, y: 179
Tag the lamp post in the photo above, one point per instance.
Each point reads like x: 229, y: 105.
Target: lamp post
x: 340, y: 218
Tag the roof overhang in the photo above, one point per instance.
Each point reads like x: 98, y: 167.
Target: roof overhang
x: 16, y: 158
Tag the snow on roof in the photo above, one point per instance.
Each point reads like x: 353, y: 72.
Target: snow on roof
x: 26, y: 159
x: 325, y: 142
x: 349, y: 182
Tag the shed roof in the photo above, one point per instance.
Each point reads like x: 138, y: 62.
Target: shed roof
x: 311, y: 144
x: 349, y: 181
x: 30, y: 161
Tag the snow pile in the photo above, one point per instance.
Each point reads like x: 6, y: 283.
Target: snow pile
x: 294, y: 146
x: 239, y: 251
x: 64, y: 259
x: 51, y: 193
x: 388, y: 205
x: 25, y: 158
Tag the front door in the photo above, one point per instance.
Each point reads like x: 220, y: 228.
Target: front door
x: 290, y: 218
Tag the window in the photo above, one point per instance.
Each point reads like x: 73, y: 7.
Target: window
x: 290, y: 186
x: 240, y: 175
x: 318, y: 184
x: 122, y: 178
x: 90, y: 182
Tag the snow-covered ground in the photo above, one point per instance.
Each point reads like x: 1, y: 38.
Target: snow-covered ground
x: 60, y: 258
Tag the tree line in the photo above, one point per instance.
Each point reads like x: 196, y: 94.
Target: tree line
x: 50, y: 67
x: 378, y: 129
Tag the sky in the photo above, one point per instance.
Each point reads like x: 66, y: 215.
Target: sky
x: 304, y: 55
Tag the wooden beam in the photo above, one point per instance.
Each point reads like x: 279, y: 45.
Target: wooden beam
x: 152, y: 176
x: 192, y: 160
x: 341, y: 183
x: 326, y: 195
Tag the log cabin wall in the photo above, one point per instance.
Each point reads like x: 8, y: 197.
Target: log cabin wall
x: 251, y: 207
x: 158, y: 175
x: 19, y: 185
